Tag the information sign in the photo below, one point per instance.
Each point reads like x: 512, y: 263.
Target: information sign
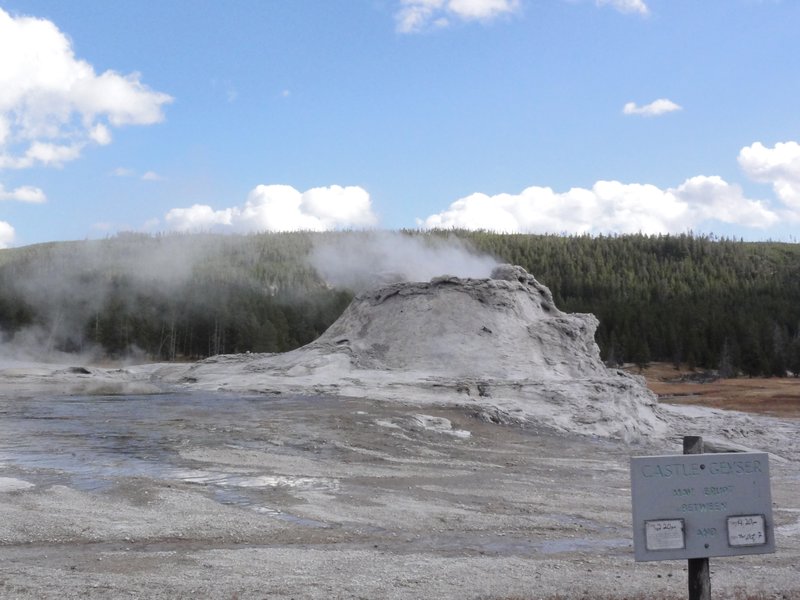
x: 701, y: 505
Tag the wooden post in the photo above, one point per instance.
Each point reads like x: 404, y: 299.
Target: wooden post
x: 699, y: 572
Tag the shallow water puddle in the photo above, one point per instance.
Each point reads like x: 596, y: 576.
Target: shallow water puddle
x: 91, y: 442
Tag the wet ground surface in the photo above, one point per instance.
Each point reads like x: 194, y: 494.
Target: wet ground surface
x: 210, y: 495
x: 91, y: 442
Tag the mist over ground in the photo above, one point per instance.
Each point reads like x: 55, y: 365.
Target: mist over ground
x: 144, y: 297
x: 56, y: 292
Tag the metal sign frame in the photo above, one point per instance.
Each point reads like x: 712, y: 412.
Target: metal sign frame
x: 701, y: 505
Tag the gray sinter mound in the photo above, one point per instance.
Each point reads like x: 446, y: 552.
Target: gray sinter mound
x: 498, y: 343
x: 504, y: 327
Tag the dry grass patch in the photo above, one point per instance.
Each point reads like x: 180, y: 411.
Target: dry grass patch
x: 774, y: 396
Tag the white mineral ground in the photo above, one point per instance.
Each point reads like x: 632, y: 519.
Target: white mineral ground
x: 531, y: 434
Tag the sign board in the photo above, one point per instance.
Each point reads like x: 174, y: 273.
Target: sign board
x: 701, y: 505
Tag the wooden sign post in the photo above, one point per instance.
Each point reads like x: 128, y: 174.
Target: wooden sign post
x: 699, y: 568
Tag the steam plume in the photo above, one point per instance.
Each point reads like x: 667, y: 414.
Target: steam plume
x: 357, y: 261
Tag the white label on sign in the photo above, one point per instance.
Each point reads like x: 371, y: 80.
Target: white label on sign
x: 665, y: 534
x: 746, y: 530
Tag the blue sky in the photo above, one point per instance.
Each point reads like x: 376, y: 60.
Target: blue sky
x: 559, y: 116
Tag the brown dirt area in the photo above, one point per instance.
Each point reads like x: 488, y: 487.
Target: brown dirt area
x: 773, y: 396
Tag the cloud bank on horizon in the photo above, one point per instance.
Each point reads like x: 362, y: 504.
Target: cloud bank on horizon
x: 55, y: 106
x: 608, y: 207
x: 281, y: 208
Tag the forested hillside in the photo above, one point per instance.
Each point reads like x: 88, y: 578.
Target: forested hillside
x: 706, y: 302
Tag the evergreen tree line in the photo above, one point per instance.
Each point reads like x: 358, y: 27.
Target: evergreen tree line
x: 706, y: 302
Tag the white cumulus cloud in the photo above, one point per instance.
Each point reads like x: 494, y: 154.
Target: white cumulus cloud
x: 6, y: 235
x: 53, y: 104
x: 608, y: 207
x: 282, y: 208
x: 654, y: 109
x: 100, y: 134
x: 712, y: 198
x: 779, y: 166
x: 25, y: 193
x: 417, y: 15
x: 626, y: 6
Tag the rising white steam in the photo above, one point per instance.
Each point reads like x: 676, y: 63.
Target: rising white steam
x: 71, y: 287
x: 358, y: 261
x: 70, y: 283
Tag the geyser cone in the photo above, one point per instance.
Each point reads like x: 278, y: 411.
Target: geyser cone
x: 506, y: 326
